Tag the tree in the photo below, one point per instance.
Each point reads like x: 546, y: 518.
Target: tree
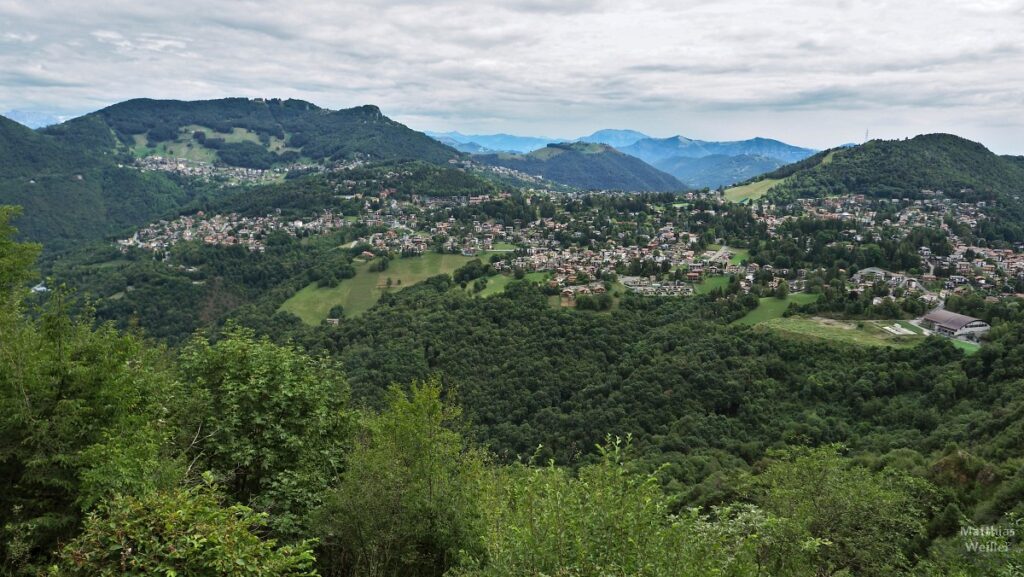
x: 407, y: 503
x: 869, y: 520
x: 782, y: 291
x: 178, y: 533
x: 271, y: 423
x: 16, y: 260
x: 83, y: 414
x: 612, y: 520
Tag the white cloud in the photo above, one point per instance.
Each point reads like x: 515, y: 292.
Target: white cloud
x: 816, y: 74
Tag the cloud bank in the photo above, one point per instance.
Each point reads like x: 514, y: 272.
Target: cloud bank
x: 814, y: 74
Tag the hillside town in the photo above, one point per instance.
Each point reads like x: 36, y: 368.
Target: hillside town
x: 229, y: 229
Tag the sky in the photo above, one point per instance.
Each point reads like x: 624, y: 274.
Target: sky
x: 814, y: 74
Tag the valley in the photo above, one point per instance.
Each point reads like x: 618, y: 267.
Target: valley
x: 828, y: 314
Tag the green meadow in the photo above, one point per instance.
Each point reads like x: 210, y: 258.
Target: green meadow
x: 773, y: 308
x: 357, y: 294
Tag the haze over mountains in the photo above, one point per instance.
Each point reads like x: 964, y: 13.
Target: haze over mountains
x: 587, y: 166
x: 695, y: 163
x: 34, y: 118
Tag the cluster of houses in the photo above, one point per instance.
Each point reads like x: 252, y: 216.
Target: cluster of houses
x: 572, y: 291
x: 208, y: 172
x: 227, y: 230
x: 649, y: 286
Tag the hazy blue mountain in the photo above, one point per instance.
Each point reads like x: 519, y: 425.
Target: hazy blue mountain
x: 653, y: 150
x: 467, y: 147
x: 614, y: 137
x: 34, y: 118
x: 587, y: 166
x: 717, y: 169
x: 497, y: 142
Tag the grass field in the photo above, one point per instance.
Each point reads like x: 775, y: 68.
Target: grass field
x: 967, y: 348
x: 865, y: 333
x: 739, y: 255
x: 358, y: 294
x: 756, y: 190
x: 773, y: 308
x: 711, y: 283
x: 188, y: 148
x: 911, y: 327
x: 752, y: 191
x: 495, y: 285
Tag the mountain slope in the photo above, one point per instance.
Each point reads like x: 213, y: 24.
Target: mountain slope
x: 587, y: 166
x: 717, y: 170
x: 73, y: 193
x: 258, y: 133
x: 653, y: 150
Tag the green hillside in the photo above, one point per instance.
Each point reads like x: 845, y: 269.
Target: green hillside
x: 76, y: 184
x: 903, y: 168
x: 964, y: 171
x: 258, y: 133
x: 587, y: 166
x: 71, y: 191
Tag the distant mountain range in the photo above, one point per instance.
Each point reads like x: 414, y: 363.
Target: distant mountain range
x: 613, y: 137
x: 588, y: 166
x: 652, y: 150
x: 493, y: 142
x: 696, y: 163
x: 707, y: 164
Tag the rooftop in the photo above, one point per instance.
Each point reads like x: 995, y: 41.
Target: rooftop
x: 949, y: 319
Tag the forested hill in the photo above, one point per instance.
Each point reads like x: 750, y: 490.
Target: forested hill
x: 71, y: 187
x: 903, y: 168
x: 587, y: 166
x: 258, y: 133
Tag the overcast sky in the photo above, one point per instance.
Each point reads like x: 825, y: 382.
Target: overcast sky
x: 811, y: 73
